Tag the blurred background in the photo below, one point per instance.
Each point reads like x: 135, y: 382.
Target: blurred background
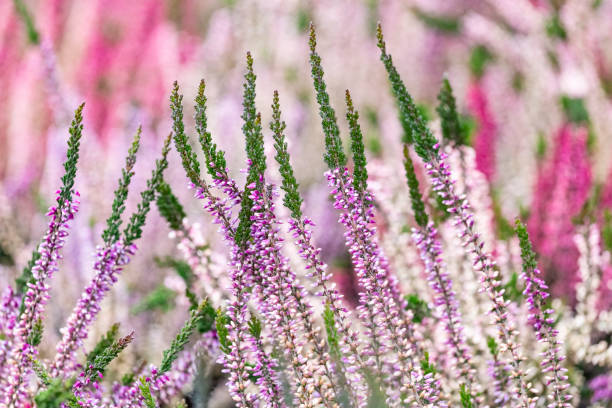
x: 533, y: 81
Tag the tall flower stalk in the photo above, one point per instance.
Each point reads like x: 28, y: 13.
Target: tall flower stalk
x: 428, y: 148
x: 542, y: 320
x: 29, y: 326
x: 352, y: 366
x: 110, y: 261
x: 426, y: 239
x: 379, y: 304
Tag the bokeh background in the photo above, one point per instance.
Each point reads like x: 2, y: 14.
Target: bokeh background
x: 533, y: 81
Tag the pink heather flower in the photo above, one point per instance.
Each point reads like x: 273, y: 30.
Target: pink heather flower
x: 543, y: 322
x: 443, y: 183
x: 282, y: 302
x: 602, y: 388
x: 109, y: 264
x: 9, y: 312
x: 444, y: 299
x: 380, y: 307
x: 485, y: 139
x: 352, y: 364
x: 35, y: 299
x: 562, y: 187
x: 240, y: 275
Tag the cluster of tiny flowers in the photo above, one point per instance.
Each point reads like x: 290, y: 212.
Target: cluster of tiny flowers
x: 543, y: 322
x: 442, y: 182
x: 349, y: 342
x: 444, y: 298
x: 109, y: 263
x: 19, y: 362
x: 390, y: 332
x: 282, y: 303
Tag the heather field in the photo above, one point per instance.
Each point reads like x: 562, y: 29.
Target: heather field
x: 305, y: 203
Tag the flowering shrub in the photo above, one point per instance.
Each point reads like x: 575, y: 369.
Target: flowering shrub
x: 450, y: 305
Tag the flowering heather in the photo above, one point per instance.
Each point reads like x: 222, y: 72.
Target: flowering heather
x: 216, y: 286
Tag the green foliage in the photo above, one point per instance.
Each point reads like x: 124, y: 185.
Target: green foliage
x: 541, y: 147
x: 113, y: 223
x: 418, y: 206
x: 426, y: 365
x: 512, y: 292
x: 41, y: 372
x: 27, y: 19
x: 452, y: 131
x: 215, y: 159
x: 169, y: 206
x: 443, y: 24
x: 255, y: 327
x: 189, y: 159
x: 161, y: 298
x: 574, y: 110
x: 35, y: 336
x: 466, y: 397
x: 208, y: 314
x: 182, y: 268
x: 412, y: 120
x: 360, y: 173
x: 555, y: 29
x: 334, y: 153
x: 527, y: 253
x: 403, y: 99
x: 106, y: 341
x: 492, y: 346
x: 606, y: 230
x: 479, y: 59
x: 133, y: 230
x: 145, y: 390
x: 182, y: 338
x: 252, y: 131
x: 21, y: 283
x: 72, y: 157
x: 333, y: 337
x: 221, y: 324
x: 292, y: 199
x: 128, y: 379
x: 54, y: 394
x: 418, y: 306
x: 104, y: 358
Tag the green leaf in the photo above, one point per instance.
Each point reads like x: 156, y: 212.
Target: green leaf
x: 443, y: 24
x: 161, y: 298
x: 133, y: 230
x: 169, y: 207
x: 145, y: 390
x: 106, y: 341
x: 292, y: 199
x: 334, y: 153
x: 419, y: 307
x: 27, y: 19
x: 189, y: 158
x: 479, y: 59
x: 222, y: 332
x: 182, y: 338
x: 418, y: 206
x: 360, y: 173
x: 113, y: 223
x: 215, y: 159
x: 466, y: 397
x: 452, y: 130
x: 333, y: 337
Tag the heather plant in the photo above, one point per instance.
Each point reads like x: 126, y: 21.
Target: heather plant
x: 451, y: 307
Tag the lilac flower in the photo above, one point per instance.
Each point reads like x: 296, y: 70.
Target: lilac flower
x: 35, y: 299
x: 542, y: 321
x: 444, y: 299
x: 458, y: 206
x: 9, y: 312
x: 602, y: 388
x: 109, y: 264
x: 282, y: 299
x: 379, y: 307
